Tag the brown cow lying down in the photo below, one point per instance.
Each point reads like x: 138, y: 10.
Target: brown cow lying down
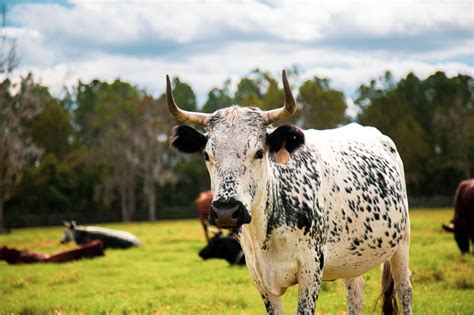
x: 89, y: 250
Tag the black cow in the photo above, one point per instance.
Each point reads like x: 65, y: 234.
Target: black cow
x: 110, y: 238
x: 224, y: 247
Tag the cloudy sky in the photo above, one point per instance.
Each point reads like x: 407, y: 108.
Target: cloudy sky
x: 206, y: 42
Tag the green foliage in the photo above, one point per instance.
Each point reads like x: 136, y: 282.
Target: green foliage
x: 184, y: 95
x: 218, y: 98
x: 194, y: 179
x: 320, y: 106
x: 17, y: 148
x: 249, y: 91
x: 274, y: 96
x: 105, y: 151
x: 54, y: 185
x: 393, y: 118
x: 86, y: 96
x: 166, y: 276
x: 115, y: 102
x: 52, y: 130
x: 259, y: 89
x: 431, y: 122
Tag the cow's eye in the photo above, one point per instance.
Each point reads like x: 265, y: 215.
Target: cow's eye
x: 259, y: 155
x: 206, y: 156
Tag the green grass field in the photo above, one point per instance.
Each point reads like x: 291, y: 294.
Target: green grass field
x: 166, y: 276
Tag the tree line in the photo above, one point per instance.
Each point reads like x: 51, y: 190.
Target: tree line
x: 101, y: 149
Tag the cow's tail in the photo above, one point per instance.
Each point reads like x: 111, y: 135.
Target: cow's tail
x: 388, y: 295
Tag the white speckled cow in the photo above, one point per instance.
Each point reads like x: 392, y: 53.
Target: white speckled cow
x: 307, y: 206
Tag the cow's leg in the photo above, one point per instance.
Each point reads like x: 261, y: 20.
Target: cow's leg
x: 206, y: 229
x: 354, y: 295
x: 401, y: 273
x: 272, y: 303
x: 309, y: 280
x: 308, y: 293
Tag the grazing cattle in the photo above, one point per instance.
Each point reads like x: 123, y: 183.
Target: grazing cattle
x: 463, y: 223
x: 89, y: 250
x: 110, y: 238
x: 203, y: 203
x: 306, y: 205
x: 224, y: 247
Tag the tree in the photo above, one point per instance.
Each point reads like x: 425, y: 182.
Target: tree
x: 432, y: 123
x: 452, y: 106
x: 250, y: 90
x: 52, y: 130
x: 184, y: 95
x: 321, y: 106
x: 218, y: 98
x: 85, y: 99
x: 129, y: 130
x: 114, y: 122
x: 16, y: 145
x: 151, y: 142
x: 394, y: 119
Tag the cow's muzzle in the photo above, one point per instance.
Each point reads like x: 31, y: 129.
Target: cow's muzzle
x: 229, y: 213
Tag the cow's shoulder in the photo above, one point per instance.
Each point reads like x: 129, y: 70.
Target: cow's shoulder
x: 352, y: 139
x: 355, y: 160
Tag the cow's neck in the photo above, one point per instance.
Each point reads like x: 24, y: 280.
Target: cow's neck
x: 265, y: 210
x: 256, y: 229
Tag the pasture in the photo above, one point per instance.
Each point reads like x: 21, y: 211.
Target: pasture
x: 166, y: 276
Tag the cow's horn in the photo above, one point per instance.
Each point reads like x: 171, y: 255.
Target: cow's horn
x: 288, y: 109
x: 200, y: 119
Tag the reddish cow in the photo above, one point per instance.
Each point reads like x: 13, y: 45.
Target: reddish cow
x: 203, y: 203
x: 89, y: 250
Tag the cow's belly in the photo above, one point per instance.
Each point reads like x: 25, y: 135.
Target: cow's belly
x: 368, y: 243
x: 344, y: 265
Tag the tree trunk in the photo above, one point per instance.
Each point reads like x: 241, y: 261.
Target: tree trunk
x: 131, y: 193
x: 123, y: 201
x: 151, y: 204
x: 2, y: 217
x: 465, y: 145
x: 148, y: 188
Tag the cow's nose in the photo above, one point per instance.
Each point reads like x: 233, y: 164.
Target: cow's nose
x: 225, y: 213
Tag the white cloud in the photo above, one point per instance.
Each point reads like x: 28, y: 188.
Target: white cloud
x: 207, y: 42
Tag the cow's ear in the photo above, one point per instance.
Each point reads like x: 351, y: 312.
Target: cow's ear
x: 187, y: 139
x: 283, y: 141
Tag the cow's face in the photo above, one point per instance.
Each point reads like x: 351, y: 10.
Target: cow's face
x: 236, y: 158
x: 237, y: 150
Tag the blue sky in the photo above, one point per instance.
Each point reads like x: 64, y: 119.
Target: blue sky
x: 206, y: 42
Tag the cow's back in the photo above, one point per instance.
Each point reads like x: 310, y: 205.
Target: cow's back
x: 110, y: 238
x: 363, y: 188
